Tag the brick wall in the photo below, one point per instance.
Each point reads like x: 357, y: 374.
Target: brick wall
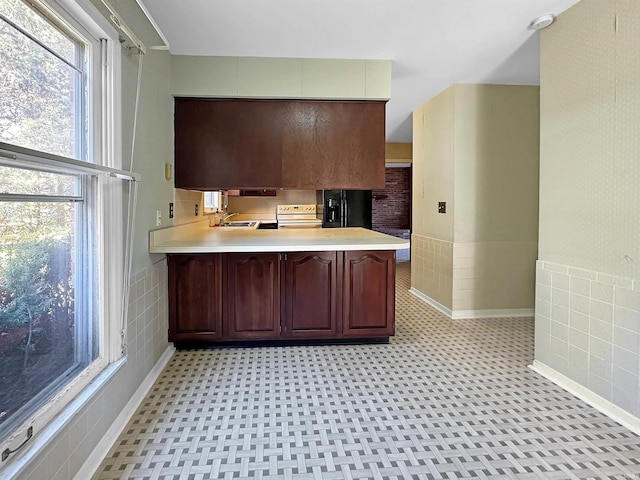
x: 392, y: 206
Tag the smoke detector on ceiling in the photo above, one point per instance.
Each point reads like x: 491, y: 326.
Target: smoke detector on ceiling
x: 541, y: 22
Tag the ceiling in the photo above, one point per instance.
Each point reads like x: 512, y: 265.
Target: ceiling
x: 432, y: 43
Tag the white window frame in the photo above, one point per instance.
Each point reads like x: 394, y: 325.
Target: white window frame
x: 212, y: 201
x: 105, y: 137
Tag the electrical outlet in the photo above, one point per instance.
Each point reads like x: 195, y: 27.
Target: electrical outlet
x: 196, y: 210
x: 158, y: 218
x: 442, y: 207
x: 171, y: 210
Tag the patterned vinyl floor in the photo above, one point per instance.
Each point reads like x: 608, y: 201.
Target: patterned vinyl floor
x: 446, y: 399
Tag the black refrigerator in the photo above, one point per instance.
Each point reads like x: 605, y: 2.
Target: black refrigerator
x: 346, y: 208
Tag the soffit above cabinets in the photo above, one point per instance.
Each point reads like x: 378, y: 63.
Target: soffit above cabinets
x: 431, y: 43
x: 295, y: 78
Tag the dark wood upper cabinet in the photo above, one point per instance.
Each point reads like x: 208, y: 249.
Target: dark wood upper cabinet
x: 252, y: 296
x: 332, y: 144
x: 369, y: 293
x: 257, y: 144
x: 311, y: 303
x: 195, y: 303
x: 227, y: 143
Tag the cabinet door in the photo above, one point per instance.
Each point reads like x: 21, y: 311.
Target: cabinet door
x: 251, y: 296
x: 333, y: 144
x: 311, y: 295
x: 195, y: 307
x: 227, y: 143
x: 369, y: 293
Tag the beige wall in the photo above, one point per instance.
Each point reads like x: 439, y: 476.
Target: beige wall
x: 398, y: 152
x: 281, y: 77
x: 153, y: 148
x: 588, y: 277
x: 590, y: 169
x: 496, y: 163
x: 477, y: 147
x: 496, y: 196
x: 433, y: 164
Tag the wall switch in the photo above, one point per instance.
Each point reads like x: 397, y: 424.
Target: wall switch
x: 171, y: 210
x: 158, y: 218
x: 442, y: 207
x: 195, y: 212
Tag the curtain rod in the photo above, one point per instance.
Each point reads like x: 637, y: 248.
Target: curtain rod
x: 147, y: 13
x: 124, y: 28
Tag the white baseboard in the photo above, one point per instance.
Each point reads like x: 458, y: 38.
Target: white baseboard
x: 94, y: 460
x: 431, y: 301
x: 498, y: 313
x: 601, y: 404
x: 470, y: 314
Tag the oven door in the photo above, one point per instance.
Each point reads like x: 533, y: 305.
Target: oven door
x: 300, y: 223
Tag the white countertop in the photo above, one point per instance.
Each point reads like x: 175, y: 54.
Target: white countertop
x: 200, y: 238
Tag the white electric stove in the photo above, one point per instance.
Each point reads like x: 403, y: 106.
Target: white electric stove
x: 297, y: 216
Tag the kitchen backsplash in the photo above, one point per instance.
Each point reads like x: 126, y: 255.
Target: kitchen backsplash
x: 263, y: 205
x: 186, y: 200
x: 184, y: 206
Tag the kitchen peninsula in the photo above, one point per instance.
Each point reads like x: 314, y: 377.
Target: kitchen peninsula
x: 231, y: 285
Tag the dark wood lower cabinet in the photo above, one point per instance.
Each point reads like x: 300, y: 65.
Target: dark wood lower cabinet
x: 251, y: 296
x: 270, y: 296
x: 311, y: 302
x: 195, y: 297
x: 369, y: 293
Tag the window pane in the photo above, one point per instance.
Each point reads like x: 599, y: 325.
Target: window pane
x: 41, y: 97
x: 40, y: 340
x: 32, y: 182
x: 29, y: 20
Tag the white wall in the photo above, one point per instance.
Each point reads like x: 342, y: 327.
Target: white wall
x: 588, y: 280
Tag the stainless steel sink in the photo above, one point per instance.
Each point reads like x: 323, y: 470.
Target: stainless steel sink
x: 239, y: 224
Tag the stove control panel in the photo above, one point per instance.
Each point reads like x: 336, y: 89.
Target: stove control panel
x: 293, y: 209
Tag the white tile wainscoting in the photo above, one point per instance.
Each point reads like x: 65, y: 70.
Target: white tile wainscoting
x: 493, y: 279
x: 432, y: 270
x: 474, y: 279
x: 587, y: 329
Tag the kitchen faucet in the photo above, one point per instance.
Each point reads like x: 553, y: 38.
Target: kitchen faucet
x: 226, y: 217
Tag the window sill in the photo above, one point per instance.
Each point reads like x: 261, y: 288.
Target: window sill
x: 42, y: 439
